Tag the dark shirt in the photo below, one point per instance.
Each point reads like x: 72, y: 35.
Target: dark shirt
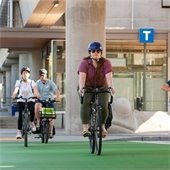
x: 168, y: 82
x: 95, y: 77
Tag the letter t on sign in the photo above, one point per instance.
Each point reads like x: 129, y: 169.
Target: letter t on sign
x: 146, y: 35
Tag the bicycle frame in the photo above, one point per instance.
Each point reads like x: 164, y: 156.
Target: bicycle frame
x: 25, y: 119
x: 46, y: 115
x: 95, y: 124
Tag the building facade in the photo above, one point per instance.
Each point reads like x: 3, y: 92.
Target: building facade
x: 55, y: 34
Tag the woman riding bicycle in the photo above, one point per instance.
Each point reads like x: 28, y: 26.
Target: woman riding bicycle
x: 26, y: 88
x: 94, y: 71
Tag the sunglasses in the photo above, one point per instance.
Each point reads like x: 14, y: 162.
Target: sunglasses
x: 93, y: 51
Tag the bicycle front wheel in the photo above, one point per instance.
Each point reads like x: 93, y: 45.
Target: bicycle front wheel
x: 92, y: 133
x: 25, y: 127
x: 45, y: 131
x: 98, y: 132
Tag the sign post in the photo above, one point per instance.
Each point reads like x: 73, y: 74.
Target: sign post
x: 146, y: 35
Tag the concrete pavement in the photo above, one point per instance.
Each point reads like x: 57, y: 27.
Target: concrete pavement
x: 156, y: 137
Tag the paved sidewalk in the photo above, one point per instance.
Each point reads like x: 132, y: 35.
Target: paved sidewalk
x: 156, y: 137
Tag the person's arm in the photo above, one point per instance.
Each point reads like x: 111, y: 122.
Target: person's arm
x: 82, y: 80
x: 15, y: 92
x: 57, y: 95
x: 109, y: 79
x: 165, y: 87
x: 16, y: 89
x: 35, y: 89
x: 36, y: 92
x: 55, y: 91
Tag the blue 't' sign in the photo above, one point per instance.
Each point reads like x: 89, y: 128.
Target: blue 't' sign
x: 146, y: 35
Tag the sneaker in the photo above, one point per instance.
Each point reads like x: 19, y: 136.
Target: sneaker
x: 50, y: 135
x: 38, y: 125
x: 104, y: 133
x: 86, y: 133
x: 19, y: 135
x: 33, y: 128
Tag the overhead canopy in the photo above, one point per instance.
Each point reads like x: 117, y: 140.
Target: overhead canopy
x: 28, y: 38
x: 35, y: 33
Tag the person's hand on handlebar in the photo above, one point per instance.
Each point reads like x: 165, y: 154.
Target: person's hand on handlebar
x: 81, y: 91
x: 37, y: 96
x: 13, y: 97
x: 112, y: 90
x: 57, y: 100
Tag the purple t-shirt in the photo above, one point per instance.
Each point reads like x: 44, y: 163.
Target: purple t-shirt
x: 95, y: 77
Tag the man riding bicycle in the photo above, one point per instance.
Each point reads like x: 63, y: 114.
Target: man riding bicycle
x: 48, y: 90
x: 94, y: 71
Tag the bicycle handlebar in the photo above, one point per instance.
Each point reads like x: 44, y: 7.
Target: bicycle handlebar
x: 97, y: 91
x: 24, y: 98
x: 47, y: 101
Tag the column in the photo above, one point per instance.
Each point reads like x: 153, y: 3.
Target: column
x: 37, y: 64
x: 33, y: 61
x: 85, y: 22
x: 168, y: 68
x: 14, y: 76
x: 8, y: 87
x: 24, y: 60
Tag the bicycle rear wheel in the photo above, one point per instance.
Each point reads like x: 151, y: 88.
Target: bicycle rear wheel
x: 25, y: 127
x: 45, y: 131
x: 98, y: 132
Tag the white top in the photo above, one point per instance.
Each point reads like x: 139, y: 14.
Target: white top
x: 25, y: 89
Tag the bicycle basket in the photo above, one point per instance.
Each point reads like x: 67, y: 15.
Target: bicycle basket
x: 48, y: 112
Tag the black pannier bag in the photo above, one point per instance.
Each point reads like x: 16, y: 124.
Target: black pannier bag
x: 110, y: 117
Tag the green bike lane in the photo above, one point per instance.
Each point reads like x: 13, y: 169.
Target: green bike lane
x: 65, y: 152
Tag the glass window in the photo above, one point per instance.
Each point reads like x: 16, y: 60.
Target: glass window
x: 139, y: 72
x: 55, y: 63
